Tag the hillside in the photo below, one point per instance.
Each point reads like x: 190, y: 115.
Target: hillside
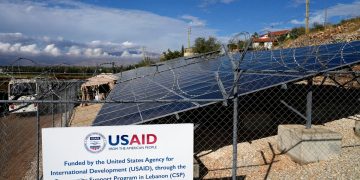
x: 345, y: 31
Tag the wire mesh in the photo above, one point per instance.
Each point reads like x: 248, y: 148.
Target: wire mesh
x: 271, y: 90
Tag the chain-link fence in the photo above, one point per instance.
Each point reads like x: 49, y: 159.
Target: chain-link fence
x: 21, y: 123
x: 277, y: 124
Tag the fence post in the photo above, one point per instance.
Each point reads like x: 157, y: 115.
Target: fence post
x: 309, y: 104
x: 235, y: 129
x: 38, y: 143
x: 52, y: 110
x: 66, y: 99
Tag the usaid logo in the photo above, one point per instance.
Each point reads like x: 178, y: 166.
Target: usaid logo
x: 135, y: 139
x: 95, y: 142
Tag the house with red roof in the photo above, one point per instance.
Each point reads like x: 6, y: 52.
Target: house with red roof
x: 266, y: 41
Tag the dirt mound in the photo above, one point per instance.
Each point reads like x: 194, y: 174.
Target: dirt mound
x: 348, y: 30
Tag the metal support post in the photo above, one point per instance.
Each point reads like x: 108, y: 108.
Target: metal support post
x: 66, y: 98
x: 52, y: 111
x: 235, y: 128
x: 38, y: 143
x: 309, y: 104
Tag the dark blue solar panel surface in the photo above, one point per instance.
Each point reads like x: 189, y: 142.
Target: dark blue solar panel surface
x: 196, y: 79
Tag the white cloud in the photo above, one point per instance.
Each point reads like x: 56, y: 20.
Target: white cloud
x: 271, y: 29
x: 276, y: 23
x: 52, y: 50
x: 4, y: 47
x: 29, y: 8
x: 97, y: 52
x: 15, y: 47
x: 19, y: 48
x: 100, y: 43
x: 296, y: 3
x: 194, y: 21
x: 55, y: 51
x: 74, y: 51
x: 80, y: 22
x: 339, y: 10
x: 96, y: 42
x: 14, y: 35
x: 126, y: 54
x: 32, y: 49
x: 128, y: 44
x: 297, y: 22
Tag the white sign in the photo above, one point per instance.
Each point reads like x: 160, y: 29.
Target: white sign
x: 118, y: 152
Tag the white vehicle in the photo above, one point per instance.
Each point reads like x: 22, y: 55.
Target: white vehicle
x: 22, y: 89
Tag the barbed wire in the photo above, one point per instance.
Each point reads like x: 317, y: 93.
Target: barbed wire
x: 292, y: 59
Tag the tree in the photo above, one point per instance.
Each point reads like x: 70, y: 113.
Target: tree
x: 296, y: 32
x: 171, y: 55
x: 317, y: 27
x: 203, y: 46
x: 239, y: 46
x: 282, y: 38
x: 145, y: 62
x: 232, y: 46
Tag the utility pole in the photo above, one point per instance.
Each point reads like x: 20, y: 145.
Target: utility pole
x: 189, y: 33
x: 307, y: 17
x: 113, y: 67
x: 325, y: 18
x: 143, y: 51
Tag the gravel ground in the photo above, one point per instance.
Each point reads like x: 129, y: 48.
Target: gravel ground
x: 19, y: 160
x: 274, y: 165
x: 252, y: 165
x: 32, y: 172
x: 85, y: 115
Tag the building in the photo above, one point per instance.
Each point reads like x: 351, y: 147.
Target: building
x: 267, y: 41
x: 98, y: 87
x: 189, y: 52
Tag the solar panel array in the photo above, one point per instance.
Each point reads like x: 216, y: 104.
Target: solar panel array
x: 202, y: 78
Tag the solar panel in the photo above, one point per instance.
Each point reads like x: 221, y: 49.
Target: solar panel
x: 197, y: 78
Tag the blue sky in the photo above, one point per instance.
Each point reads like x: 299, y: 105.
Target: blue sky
x: 93, y: 31
x: 231, y: 16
